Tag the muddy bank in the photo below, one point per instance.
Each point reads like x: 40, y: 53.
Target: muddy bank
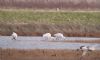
x: 45, y: 54
x: 80, y: 41
x: 37, y: 29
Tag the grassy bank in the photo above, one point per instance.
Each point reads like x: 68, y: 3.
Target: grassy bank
x: 83, y: 18
x: 30, y: 22
x: 45, y: 54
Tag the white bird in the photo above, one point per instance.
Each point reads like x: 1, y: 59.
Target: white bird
x: 47, y: 36
x: 59, y: 36
x: 14, y: 36
x: 86, y: 49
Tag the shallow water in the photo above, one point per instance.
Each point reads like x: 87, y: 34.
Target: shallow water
x: 34, y: 42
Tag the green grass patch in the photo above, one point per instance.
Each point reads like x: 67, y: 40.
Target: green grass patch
x: 84, y: 18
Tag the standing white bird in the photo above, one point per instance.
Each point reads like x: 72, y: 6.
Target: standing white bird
x: 14, y: 36
x: 47, y: 36
x: 59, y: 36
x: 86, y: 49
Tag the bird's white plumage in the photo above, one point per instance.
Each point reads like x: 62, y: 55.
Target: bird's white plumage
x: 84, y: 48
x: 47, y: 36
x: 59, y: 36
x: 14, y: 36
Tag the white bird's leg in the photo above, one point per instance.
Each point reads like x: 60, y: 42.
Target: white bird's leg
x: 56, y: 38
x: 14, y: 36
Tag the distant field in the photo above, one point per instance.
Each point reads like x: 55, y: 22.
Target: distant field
x: 82, y: 18
x: 52, y: 4
x: 30, y: 22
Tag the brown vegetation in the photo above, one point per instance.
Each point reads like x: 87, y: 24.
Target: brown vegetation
x: 51, y: 4
x: 37, y: 29
x: 46, y: 54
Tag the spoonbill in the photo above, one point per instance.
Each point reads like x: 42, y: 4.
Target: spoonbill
x: 47, y: 36
x: 14, y: 36
x: 59, y: 36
